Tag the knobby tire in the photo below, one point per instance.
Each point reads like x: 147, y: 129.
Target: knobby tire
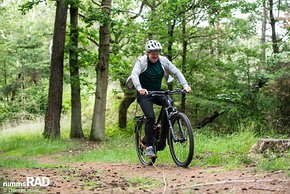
x: 182, y: 150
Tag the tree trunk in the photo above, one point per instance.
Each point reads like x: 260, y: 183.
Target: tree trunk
x: 218, y: 29
x: 263, y: 37
x: 184, y: 55
x: 53, y: 110
x: 99, y: 119
x: 5, y: 80
x: 171, y: 27
x: 5, y: 73
x: 273, y: 27
x: 123, y: 108
x: 76, y: 110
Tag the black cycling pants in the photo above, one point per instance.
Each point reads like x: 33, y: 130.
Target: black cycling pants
x: 146, y: 103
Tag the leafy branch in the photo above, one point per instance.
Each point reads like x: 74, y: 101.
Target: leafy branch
x: 29, y: 5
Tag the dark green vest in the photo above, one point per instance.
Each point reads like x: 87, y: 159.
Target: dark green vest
x: 151, y: 78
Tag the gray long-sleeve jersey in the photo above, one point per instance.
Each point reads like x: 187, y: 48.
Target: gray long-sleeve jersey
x: 141, y: 65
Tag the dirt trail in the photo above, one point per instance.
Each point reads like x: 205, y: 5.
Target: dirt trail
x: 95, y: 177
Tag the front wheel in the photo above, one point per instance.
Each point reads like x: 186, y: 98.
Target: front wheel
x: 181, y: 142
x: 140, y: 143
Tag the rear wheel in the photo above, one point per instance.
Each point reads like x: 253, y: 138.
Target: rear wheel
x: 181, y: 144
x: 140, y: 143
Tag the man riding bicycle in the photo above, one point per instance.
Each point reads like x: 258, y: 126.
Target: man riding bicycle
x: 146, y: 76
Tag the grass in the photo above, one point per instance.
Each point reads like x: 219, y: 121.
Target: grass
x: 145, y: 183
x: 279, y: 163
x: 20, y: 162
x: 114, y: 149
x: 211, y: 149
x: 18, y: 151
x: 229, y: 151
x: 33, y: 145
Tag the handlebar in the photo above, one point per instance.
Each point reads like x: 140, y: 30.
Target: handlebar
x: 167, y: 92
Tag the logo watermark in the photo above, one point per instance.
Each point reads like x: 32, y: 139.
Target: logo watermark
x: 12, y: 187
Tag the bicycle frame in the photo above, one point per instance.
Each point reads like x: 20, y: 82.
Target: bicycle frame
x: 169, y: 111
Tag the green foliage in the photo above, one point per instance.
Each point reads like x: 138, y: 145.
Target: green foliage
x: 223, y: 61
x: 24, y: 8
x: 273, y: 98
x: 33, y: 104
x: 24, y: 46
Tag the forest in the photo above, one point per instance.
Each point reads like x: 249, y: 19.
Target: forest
x: 59, y: 58
x: 67, y: 119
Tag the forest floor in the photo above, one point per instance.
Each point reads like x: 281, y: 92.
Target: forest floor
x: 96, y: 177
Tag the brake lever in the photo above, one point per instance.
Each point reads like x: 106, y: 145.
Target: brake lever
x: 184, y: 91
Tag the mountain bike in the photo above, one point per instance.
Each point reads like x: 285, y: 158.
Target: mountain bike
x: 171, y: 125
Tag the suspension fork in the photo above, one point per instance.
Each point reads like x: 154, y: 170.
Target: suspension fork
x: 166, y: 110
x: 182, y: 133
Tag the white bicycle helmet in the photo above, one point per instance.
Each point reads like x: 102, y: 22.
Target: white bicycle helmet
x: 153, y: 45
